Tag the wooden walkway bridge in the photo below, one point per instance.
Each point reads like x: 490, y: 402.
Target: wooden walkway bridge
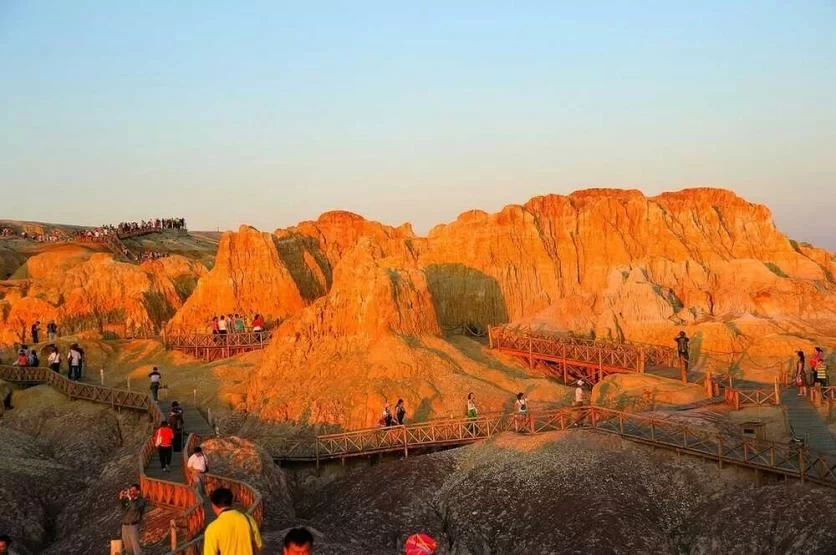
x: 214, y: 346
x: 572, y: 358
x: 785, y: 459
x: 169, y: 491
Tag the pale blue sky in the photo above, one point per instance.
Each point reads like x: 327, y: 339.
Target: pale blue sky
x: 271, y: 112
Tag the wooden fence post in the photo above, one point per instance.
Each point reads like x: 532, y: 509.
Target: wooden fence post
x: 173, y: 528
x: 490, y: 337
x: 405, y: 444
x: 777, y: 392
x: 802, y: 463
x: 708, y: 386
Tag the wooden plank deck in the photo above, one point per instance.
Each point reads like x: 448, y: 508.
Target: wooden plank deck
x: 805, y: 422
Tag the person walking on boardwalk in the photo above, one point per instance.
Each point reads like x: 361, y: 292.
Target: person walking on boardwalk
x: 682, y: 350
x: 52, y: 331
x: 521, y: 418
x: 154, y: 376
x: 400, y: 412
x: 197, y: 467
x: 239, y: 324
x: 232, y: 532
x: 800, y: 374
x: 54, y: 359
x: 34, y: 361
x: 74, y: 360
x: 386, y: 419
x: 133, y: 509
x: 177, y: 423
x: 222, y: 329
x: 820, y: 366
x: 579, y: 394
x: 22, y: 358
x: 258, y: 323
x: 472, y: 412
x: 163, y: 439
x: 298, y: 541
x: 36, y: 331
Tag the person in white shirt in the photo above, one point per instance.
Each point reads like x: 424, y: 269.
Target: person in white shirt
x: 197, y: 466
x: 54, y: 360
x: 154, y: 376
x: 579, y: 394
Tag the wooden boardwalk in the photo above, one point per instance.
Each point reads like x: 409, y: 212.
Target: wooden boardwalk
x: 168, y: 493
x: 210, y: 346
x: 806, y: 423
x: 777, y: 458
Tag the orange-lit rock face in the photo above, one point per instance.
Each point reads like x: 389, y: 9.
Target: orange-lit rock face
x: 84, y: 291
x: 278, y: 274
x: 614, y: 263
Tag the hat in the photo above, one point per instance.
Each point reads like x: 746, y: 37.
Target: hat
x: 580, y: 382
x: 419, y: 544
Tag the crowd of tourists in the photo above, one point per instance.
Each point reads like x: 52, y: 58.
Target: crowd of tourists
x: 235, y: 323
x: 152, y: 255
x: 152, y: 224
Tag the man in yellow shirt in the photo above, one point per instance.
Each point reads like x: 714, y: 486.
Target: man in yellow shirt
x: 232, y: 532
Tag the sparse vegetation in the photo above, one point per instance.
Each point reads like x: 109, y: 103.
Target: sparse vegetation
x: 185, y: 286
x: 795, y: 245
x: 669, y: 295
x: 775, y: 269
x: 159, y: 311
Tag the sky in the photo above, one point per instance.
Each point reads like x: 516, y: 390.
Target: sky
x: 268, y: 113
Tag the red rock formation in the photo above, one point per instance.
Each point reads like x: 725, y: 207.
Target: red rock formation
x: 84, y: 291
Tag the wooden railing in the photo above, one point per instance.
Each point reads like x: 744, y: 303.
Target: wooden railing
x: 182, y: 496
x: 779, y: 458
x: 212, y: 346
x: 576, y: 357
x: 244, y: 494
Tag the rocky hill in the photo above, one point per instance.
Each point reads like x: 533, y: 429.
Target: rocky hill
x: 364, y: 310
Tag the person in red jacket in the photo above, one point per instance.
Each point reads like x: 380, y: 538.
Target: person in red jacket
x: 22, y: 358
x: 258, y: 323
x: 163, y: 439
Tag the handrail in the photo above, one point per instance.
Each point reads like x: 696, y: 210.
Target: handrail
x: 178, y: 340
x: 241, y: 491
x: 155, y: 490
x: 725, y: 448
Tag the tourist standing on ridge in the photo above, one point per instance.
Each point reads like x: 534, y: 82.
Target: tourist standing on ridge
x: 232, y: 532
x: 197, y: 467
x: 800, y: 374
x: 52, y: 331
x: 163, y: 439
x: 400, y: 412
x: 54, y: 359
x: 133, y: 509
x: 36, y: 330
x: 298, y: 541
x: 154, y: 376
x: 579, y: 394
x: 175, y: 420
